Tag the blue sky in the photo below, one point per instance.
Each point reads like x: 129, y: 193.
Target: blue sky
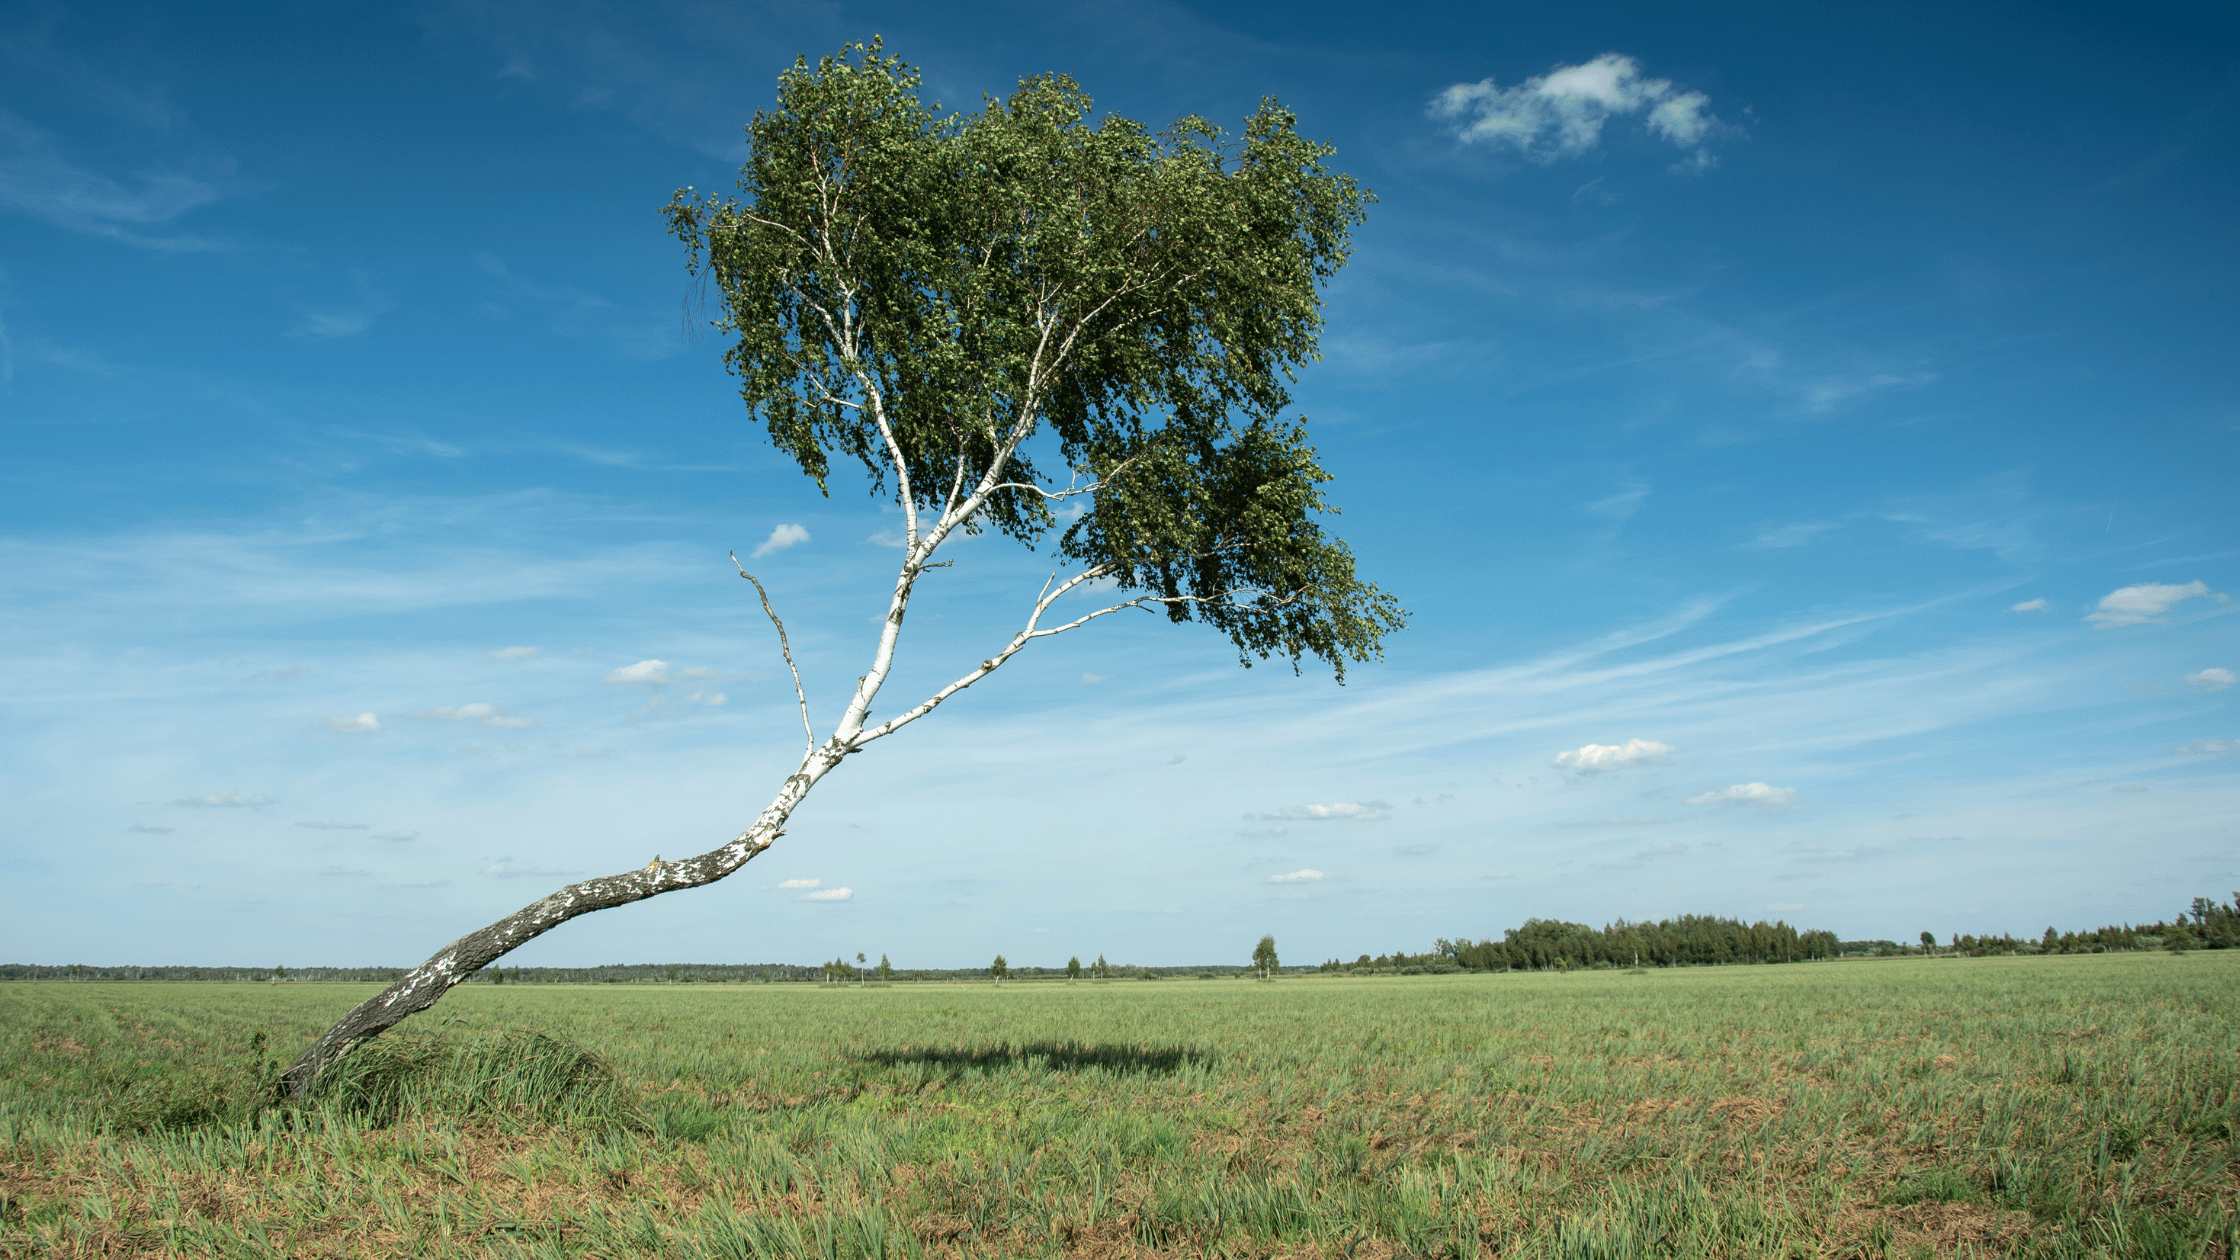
x: 1805, y: 441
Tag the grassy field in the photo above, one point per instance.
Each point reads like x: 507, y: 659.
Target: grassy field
x: 2068, y: 1106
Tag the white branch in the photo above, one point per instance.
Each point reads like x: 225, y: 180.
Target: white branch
x: 808, y: 735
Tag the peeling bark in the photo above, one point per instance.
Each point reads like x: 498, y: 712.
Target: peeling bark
x: 418, y: 989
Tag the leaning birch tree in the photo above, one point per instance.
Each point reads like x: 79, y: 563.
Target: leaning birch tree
x: 1021, y: 320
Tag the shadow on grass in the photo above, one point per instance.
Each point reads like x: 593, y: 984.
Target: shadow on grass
x: 1061, y: 1056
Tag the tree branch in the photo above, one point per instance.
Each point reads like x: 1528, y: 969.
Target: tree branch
x: 808, y: 735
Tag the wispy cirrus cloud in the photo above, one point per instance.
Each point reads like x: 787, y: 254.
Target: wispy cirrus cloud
x: 1304, y: 875
x: 336, y: 826
x: 832, y: 894
x: 226, y: 800
x: 1339, y: 811
x: 1747, y: 794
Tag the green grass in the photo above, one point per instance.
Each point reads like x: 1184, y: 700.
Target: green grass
x: 2057, y: 1107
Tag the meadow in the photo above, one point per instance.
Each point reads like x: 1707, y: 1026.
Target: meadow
x: 2059, y: 1106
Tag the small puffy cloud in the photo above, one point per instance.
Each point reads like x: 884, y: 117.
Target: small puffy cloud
x: 2215, y: 679
x: 712, y: 698
x: 801, y: 883
x: 2146, y: 602
x: 358, y: 725
x: 488, y: 715
x: 398, y: 835
x: 2030, y: 605
x: 782, y: 537
x: 1747, y: 794
x: 225, y: 800
x: 1560, y: 114
x: 1304, y: 875
x: 513, y: 654
x: 832, y: 894
x: 642, y: 672
x: 336, y: 826
x: 1598, y: 758
x: 1341, y: 811
x: 151, y: 830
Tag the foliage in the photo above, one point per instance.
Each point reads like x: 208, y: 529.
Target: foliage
x: 1551, y: 944
x: 1003, y: 312
x: 1264, y: 957
x: 2027, y: 1107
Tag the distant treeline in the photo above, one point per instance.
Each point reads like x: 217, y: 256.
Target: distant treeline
x: 2206, y: 924
x: 1705, y: 940
x: 1541, y: 944
x: 617, y: 973
x: 1544, y: 944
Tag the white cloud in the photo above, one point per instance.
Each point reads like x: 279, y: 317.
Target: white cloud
x: 801, y: 883
x: 513, y: 654
x: 39, y: 179
x: 225, y: 800
x: 2146, y: 602
x: 398, y: 835
x: 1560, y: 114
x: 1341, y: 811
x: 1304, y: 875
x: 359, y: 725
x: 832, y: 894
x: 327, y: 327
x: 488, y: 715
x: 2202, y: 747
x: 1642, y: 821
x: 1641, y: 856
x: 2030, y: 605
x: 1747, y: 794
x: 642, y: 672
x: 1597, y: 758
x: 713, y: 698
x: 507, y: 868
x: 336, y: 826
x: 2214, y: 679
x: 780, y: 538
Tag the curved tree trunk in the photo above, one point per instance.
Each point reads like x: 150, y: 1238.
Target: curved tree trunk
x: 418, y: 989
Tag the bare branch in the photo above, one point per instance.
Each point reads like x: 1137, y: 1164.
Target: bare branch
x: 808, y: 735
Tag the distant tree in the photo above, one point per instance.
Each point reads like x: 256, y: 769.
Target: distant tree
x: 1101, y: 969
x: 1928, y: 942
x: 1073, y: 968
x: 886, y: 969
x: 1022, y: 321
x: 1000, y: 969
x: 1264, y: 956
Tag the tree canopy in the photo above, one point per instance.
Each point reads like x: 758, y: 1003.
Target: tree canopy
x: 1028, y: 316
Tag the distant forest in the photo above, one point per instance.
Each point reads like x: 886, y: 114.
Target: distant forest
x: 1541, y: 944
